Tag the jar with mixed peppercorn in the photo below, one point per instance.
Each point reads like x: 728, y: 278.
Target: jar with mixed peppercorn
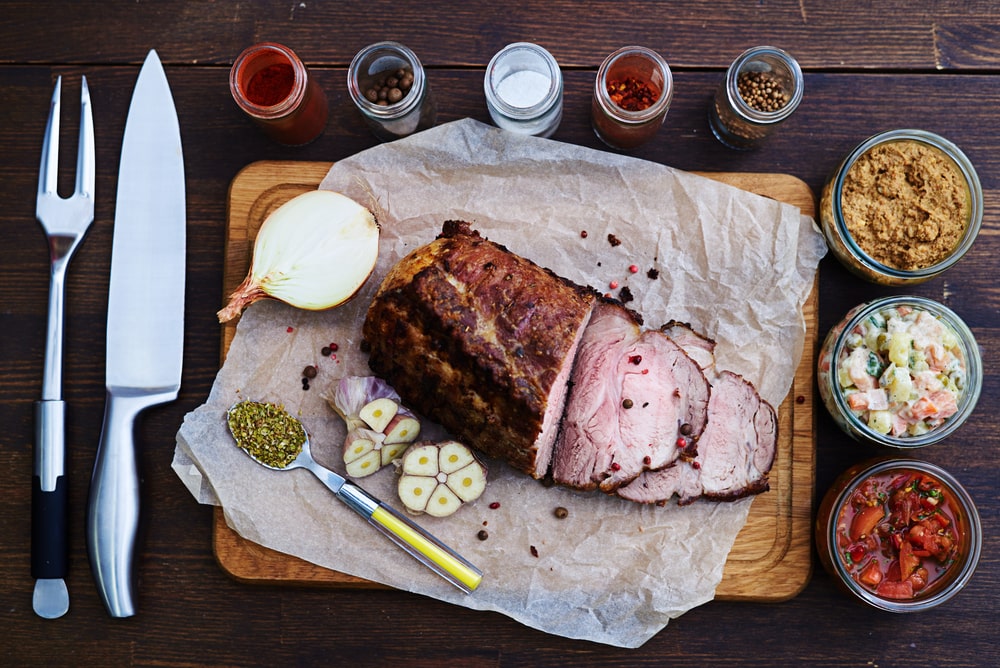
x: 763, y: 87
x: 387, y: 84
x: 632, y: 94
x: 272, y: 86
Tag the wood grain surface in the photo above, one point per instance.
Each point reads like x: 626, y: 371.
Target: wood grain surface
x: 868, y: 67
x: 770, y: 560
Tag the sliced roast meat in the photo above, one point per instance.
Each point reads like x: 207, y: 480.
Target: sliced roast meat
x: 699, y: 347
x: 735, y: 452
x: 481, y: 341
x: 637, y: 402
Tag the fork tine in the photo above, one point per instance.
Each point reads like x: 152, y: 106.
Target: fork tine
x: 49, y: 171
x: 85, y: 153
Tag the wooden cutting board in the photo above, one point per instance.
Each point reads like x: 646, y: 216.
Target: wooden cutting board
x: 771, y: 559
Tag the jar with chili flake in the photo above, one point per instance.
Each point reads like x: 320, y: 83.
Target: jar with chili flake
x: 763, y: 86
x: 272, y: 86
x: 386, y: 81
x: 632, y: 94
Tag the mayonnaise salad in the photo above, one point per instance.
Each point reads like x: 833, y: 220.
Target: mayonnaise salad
x: 902, y: 371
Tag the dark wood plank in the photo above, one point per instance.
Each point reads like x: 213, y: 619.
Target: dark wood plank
x: 947, y: 35
x: 190, y: 612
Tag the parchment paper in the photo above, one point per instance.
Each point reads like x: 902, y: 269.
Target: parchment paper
x: 736, y: 266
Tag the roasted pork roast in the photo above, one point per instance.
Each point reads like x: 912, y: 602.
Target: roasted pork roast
x: 533, y: 369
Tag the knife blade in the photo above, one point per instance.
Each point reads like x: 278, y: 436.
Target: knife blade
x: 145, y: 334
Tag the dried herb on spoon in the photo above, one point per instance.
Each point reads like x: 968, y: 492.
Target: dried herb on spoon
x: 266, y: 432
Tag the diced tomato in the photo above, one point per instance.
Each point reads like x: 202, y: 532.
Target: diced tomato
x: 895, y: 589
x: 908, y: 562
x: 865, y: 521
x: 871, y: 575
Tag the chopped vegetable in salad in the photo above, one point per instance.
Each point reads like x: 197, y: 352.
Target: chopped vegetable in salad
x: 902, y: 371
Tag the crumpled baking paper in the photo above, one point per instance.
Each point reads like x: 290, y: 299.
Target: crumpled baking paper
x: 736, y: 266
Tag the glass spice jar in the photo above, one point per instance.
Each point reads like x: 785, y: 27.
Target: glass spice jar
x: 763, y: 86
x: 632, y: 94
x: 387, y: 84
x: 524, y: 90
x: 272, y: 86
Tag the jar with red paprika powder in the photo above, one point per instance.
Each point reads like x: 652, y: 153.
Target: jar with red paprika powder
x: 632, y: 94
x: 272, y: 86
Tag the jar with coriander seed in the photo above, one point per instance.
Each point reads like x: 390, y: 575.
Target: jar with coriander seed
x: 763, y: 86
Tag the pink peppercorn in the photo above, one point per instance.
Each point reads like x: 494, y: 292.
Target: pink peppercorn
x: 633, y: 268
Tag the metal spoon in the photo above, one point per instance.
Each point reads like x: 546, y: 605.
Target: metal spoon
x: 420, y: 544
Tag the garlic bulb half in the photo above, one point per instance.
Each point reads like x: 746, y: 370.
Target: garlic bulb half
x: 313, y: 252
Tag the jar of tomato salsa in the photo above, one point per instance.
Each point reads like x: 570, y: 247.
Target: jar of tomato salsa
x: 900, y: 535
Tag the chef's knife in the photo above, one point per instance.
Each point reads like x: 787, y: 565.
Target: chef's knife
x: 145, y: 324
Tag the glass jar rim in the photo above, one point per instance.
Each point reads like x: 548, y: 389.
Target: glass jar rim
x: 408, y: 102
x: 973, y: 366
x: 552, y: 96
x: 756, y: 116
x: 952, y: 152
x: 285, y: 106
x: 623, y: 115
x: 968, y: 510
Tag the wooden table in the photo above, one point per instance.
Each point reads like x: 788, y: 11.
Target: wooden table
x: 868, y: 67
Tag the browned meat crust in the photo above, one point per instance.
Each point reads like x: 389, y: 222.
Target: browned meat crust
x: 481, y: 341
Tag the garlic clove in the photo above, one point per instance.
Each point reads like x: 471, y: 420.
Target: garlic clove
x: 313, y: 252
x: 365, y: 465
x: 415, y: 491
x: 468, y: 483
x: 443, y: 502
x: 421, y: 460
x: 378, y: 414
x: 402, y: 429
x: 392, y: 451
x: 453, y: 456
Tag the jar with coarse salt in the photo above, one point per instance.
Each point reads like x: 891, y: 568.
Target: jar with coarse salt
x: 524, y: 90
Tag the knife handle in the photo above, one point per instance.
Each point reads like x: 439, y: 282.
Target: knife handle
x: 420, y: 544
x: 48, y: 496
x: 113, y: 506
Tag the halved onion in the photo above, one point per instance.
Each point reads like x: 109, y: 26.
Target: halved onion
x: 313, y: 252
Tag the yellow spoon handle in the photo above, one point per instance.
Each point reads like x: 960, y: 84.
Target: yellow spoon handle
x: 420, y: 544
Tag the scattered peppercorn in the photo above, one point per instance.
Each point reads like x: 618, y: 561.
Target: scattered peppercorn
x: 686, y: 429
x: 561, y: 513
x: 800, y: 399
x: 534, y: 551
x: 627, y: 404
x: 615, y: 466
x: 389, y: 87
x: 614, y: 241
x: 653, y: 274
x: 762, y: 91
x: 325, y: 351
x: 625, y: 296
x: 495, y: 505
x: 647, y: 460
x: 631, y: 94
x: 635, y: 359
x: 633, y: 269
x: 290, y: 329
x: 483, y: 534
x: 309, y: 371
x: 583, y: 234
x: 681, y: 442
x: 613, y: 285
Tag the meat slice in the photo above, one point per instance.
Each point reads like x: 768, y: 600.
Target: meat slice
x: 633, y: 395
x: 699, y: 347
x: 481, y: 341
x: 735, y: 452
